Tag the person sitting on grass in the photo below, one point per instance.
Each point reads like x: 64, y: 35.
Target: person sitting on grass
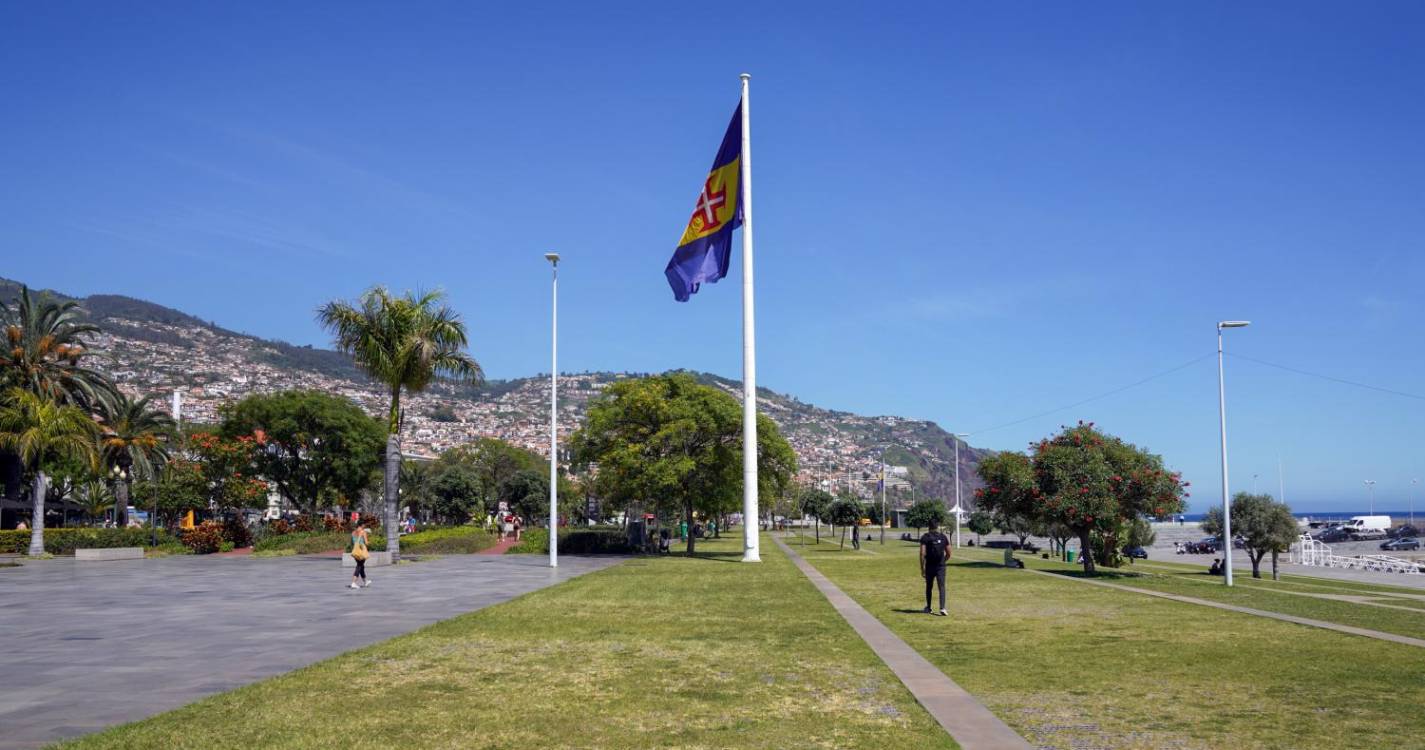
x: 1216, y: 568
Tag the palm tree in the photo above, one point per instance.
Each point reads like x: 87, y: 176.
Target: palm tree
x: 132, y: 445
x: 43, y: 432
x: 97, y: 499
x: 44, y: 352
x: 405, y: 343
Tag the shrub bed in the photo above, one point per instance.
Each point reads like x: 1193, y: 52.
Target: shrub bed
x: 312, y: 542
x: 595, y: 541
x: 205, y: 538
x: 453, y: 540
x: 64, y: 541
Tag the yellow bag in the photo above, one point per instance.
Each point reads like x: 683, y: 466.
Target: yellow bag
x: 358, y: 549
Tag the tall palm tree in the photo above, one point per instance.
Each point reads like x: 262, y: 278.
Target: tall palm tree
x: 44, y: 352
x: 405, y: 343
x: 43, y: 432
x: 132, y: 442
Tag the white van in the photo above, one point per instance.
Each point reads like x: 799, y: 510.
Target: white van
x: 1367, y: 525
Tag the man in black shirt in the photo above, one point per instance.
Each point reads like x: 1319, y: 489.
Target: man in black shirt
x: 934, y: 552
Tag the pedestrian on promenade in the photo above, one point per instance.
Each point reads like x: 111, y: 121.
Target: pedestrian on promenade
x: 934, y: 552
x: 359, y: 554
x: 519, y: 526
x: 856, y: 537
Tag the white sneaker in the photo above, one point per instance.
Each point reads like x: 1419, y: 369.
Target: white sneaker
x: 943, y: 613
x: 353, y: 586
x: 368, y: 583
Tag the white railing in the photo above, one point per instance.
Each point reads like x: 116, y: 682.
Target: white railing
x: 1308, y: 551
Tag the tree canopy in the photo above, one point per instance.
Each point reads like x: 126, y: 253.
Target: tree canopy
x: 672, y: 444
x: 924, y: 512
x: 319, y: 449
x: 1089, y: 482
x: 1264, y: 525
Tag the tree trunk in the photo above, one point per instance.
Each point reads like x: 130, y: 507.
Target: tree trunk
x: 1256, y: 558
x: 688, y: 516
x: 817, y: 521
x: 1086, y: 550
x: 1276, y: 575
x: 392, y: 488
x: 121, y: 503
x: 37, y: 520
x: 843, y: 538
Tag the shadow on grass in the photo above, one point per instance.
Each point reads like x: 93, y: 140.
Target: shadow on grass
x: 733, y: 556
x: 910, y: 611
x: 1106, y: 575
x: 979, y: 564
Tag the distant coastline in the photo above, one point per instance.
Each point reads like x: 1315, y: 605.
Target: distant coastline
x: 1333, y: 515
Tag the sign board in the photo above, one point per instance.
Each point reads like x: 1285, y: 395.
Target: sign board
x: 591, y: 508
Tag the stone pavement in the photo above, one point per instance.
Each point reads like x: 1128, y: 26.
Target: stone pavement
x: 967, y: 720
x: 90, y: 645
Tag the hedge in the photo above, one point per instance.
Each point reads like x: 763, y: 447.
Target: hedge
x: 312, y: 542
x: 65, y: 540
x: 451, y: 540
x: 597, y: 541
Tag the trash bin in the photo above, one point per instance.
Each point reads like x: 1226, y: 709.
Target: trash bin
x: 1069, y: 555
x: 1008, y: 557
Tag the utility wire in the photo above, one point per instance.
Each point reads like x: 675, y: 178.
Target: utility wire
x: 1105, y: 394
x: 1327, y: 377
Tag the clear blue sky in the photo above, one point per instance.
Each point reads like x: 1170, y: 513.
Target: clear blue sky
x: 970, y: 213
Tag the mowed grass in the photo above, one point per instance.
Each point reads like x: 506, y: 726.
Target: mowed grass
x: 665, y: 652
x: 1070, y: 665
x: 1402, y: 616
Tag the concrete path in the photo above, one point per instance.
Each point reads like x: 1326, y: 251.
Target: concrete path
x: 1392, y: 637
x: 90, y: 645
x: 966, y: 719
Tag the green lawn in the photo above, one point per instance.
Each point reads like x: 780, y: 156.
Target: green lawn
x: 1284, y: 597
x: 655, y: 653
x: 1071, y: 665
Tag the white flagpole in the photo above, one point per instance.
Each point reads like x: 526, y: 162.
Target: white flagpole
x: 750, y: 516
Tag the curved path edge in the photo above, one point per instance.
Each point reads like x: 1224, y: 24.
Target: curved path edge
x: 966, y: 719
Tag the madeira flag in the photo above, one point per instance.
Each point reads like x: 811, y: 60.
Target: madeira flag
x: 704, y: 250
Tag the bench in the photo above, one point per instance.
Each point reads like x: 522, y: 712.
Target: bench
x: 376, y: 559
x: 109, y: 553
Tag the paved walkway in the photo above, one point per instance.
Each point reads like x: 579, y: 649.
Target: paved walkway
x: 1392, y: 637
x: 499, y: 548
x: 89, y: 645
x: 966, y: 719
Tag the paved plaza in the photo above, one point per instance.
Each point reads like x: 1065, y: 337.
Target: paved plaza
x: 93, y: 644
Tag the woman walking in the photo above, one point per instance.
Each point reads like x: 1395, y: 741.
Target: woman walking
x: 359, y: 554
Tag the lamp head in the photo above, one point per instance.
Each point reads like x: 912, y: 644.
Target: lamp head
x: 1233, y: 324
x: 552, y: 258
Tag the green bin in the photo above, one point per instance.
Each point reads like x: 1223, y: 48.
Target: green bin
x: 1069, y: 555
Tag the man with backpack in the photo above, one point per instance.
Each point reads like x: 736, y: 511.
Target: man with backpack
x: 934, y: 553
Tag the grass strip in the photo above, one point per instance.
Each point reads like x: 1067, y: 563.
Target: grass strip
x: 1072, y: 666
x: 669, y: 652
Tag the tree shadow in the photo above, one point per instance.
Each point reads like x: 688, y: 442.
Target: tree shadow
x: 734, y: 556
x: 978, y: 564
x: 1110, y: 575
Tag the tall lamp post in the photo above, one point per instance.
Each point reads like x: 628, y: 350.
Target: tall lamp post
x: 958, y: 509
x: 1222, y: 421
x: 553, y: 259
x: 883, y: 493
x: 1413, y: 484
x: 1371, y: 488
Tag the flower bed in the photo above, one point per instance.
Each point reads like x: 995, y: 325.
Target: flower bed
x: 64, y: 541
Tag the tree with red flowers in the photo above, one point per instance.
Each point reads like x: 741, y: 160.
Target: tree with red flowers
x: 1089, y: 482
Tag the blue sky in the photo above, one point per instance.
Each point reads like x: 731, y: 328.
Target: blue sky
x: 971, y: 213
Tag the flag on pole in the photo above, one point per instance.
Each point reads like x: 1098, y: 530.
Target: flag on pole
x: 705, y: 248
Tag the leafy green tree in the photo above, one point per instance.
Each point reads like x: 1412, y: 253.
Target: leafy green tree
x: 1089, y: 482
x: 44, y: 352
x: 670, y: 442
x: 229, y: 479
x: 95, y: 500
x: 416, y: 493
x: 455, y: 493
x: 981, y: 522
x: 845, y: 512
x: 815, y: 503
x: 319, y: 449
x: 1140, y: 533
x: 405, y: 343
x: 133, y: 443
x: 1015, y: 524
x: 527, y: 493
x: 1264, y: 524
x: 181, y: 486
x: 42, y: 432
x: 924, y: 512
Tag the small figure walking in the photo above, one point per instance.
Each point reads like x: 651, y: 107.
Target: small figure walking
x: 934, y: 553
x: 856, y: 537
x: 359, y: 554
x: 519, y: 527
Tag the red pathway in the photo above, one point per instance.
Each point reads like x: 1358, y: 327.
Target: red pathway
x: 239, y: 552
x: 499, y: 548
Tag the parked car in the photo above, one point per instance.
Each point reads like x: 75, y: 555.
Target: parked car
x: 1333, y: 535
x: 1135, y: 552
x: 1397, y: 545
x: 1206, y: 546
x: 1001, y: 544
x: 1399, y: 532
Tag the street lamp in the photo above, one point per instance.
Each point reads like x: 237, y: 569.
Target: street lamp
x: 1413, y: 484
x: 1222, y: 421
x: 883, y: 493
x: 553, y: 259
x: 958, y: 510
x: 1371, y: 488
